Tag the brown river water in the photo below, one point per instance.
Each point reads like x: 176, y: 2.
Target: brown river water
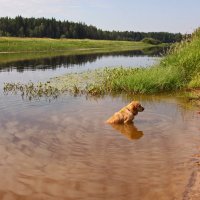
x: 64, y: 150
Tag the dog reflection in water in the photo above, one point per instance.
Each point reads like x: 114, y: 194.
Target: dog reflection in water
x: 129, y: 130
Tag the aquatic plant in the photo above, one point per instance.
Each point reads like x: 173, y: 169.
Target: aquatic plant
x: 32, y: 91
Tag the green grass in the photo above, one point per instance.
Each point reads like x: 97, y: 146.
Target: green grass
x: 19, y: 49
x: 178, y: 70
x: 195, y: 81
x: 11, y: 44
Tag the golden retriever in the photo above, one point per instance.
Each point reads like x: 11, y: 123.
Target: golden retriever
x: 126, y: 114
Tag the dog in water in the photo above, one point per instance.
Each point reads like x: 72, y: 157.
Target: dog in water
x: 126, y: 114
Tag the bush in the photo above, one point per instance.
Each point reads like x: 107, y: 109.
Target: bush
x: 151, y: 41
x: 62, y: 36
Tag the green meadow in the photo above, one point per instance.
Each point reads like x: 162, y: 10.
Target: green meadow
x: 18, y: 49
x: 17, y: 45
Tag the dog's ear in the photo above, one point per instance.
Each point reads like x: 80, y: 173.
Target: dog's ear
x: 135, y: 104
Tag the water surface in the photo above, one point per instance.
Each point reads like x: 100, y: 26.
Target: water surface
x: 43, y: 69
x: 63, y: 149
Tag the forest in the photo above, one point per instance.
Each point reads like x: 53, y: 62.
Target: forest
x: 52, y: 28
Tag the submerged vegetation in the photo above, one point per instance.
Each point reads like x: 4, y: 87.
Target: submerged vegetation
x: 180, y: 69
x: 30, y: 90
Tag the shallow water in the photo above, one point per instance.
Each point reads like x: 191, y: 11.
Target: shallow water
x: 63, y: 149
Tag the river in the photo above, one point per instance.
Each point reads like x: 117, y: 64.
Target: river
x: 63, y: 149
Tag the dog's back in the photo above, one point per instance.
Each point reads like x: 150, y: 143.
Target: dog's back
x: 117, y: 118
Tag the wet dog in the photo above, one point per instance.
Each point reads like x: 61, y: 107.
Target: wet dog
x: 126, y: 114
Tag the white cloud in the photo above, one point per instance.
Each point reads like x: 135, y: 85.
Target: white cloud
x: 47, y: 8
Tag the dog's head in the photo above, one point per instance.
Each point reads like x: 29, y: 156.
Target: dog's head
x: 135, y: 107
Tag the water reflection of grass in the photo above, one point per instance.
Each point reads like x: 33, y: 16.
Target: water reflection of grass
x: 55, y: 59
x: 12, y: 57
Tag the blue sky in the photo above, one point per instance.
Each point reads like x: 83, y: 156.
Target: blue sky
x: 136, y: 15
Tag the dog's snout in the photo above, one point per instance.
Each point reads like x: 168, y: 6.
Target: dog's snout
x: 141, y: 108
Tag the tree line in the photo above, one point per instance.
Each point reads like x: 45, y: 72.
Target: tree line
x: 52, y: 28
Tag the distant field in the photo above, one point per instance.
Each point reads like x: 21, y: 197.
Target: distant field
x: 13, y: 45
x: 15, y: 49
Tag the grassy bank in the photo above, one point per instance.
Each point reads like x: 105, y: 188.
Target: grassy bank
x: 19, y: 49
x: 17, y: 45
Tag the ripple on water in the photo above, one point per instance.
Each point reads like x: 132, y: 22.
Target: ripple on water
x: 156, y: 121
x: 65, y: 150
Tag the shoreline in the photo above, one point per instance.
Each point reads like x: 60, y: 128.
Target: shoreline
x: 8, y: 57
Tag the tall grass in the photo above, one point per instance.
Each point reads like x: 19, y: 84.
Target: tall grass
x: 178, y: 70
